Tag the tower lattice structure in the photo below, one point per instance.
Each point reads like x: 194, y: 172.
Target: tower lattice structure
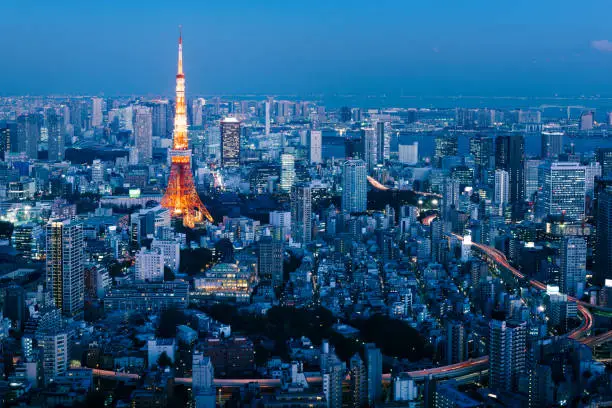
x: 181, y: 196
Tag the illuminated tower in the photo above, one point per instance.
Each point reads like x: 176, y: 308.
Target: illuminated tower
x: 181, y: 196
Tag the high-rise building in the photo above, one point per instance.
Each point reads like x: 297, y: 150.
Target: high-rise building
x: 230, y: 142
x: 97, y: 171
x: 181, y: 196
x: 373, y: 363
x: 358, y: 382
x: 15, y: 306
x: 502, y: 187
x: 270, y: 260
x: 591, y: 172
x: 532, y: 177
x: 482, y: 149
x: 382, y: 142
x: 552, y: 142
x: 354, y: 186
x: 268, y: 107
x: 507, y: 354
x: 287, y: 177
x: 603, y: 254
x: 455, y: 342
x: 159, y: 118
x: 55, y: 142
x: 28, y: 134
x: 64, y: 253
x: 143, y: 134
x: 96, y: 112
x: 409, y: 154
x: 586, y: 120
x: 315, y: 147
x: 203, y: 376
x: 604, y: 158
x: 370, y: 147
x: 301, y: 213
x: 149, y: 265
x: 55, y: 345
x: 445, y: 145
x: 27, y: 240
x: 196, y: 111
x: 573, y: 255
x: 510, y: 156
x: 563, y: 189
x: 170, y: 250
x: 281, y: 221
x: 333, y: 377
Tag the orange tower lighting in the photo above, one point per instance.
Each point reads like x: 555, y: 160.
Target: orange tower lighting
x: 181, y: 197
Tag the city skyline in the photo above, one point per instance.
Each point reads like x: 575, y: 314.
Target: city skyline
x: 358, y: 47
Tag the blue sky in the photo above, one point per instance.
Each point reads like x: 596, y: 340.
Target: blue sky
x: 443, y: 47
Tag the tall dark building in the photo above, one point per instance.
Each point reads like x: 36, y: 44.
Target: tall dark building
x: 446, y: 145
x: 230, y: 142
x: 56, y: 142
x: 28, y: 134
x: 8, y: 137
x: 345, y: 114
x: 603, y: 255
x: 270, y: 260
x: 510, y: 156
x: 481, y: 148
x: 604, y: 157
x: 382, y: 146
x: 14, y: 305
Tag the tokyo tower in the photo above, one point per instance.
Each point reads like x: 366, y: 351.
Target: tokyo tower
x: 181, y: 197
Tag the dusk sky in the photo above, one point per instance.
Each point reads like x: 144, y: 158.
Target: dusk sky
x: 475, y: 47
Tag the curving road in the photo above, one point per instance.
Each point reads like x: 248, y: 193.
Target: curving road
x: 379, y: 186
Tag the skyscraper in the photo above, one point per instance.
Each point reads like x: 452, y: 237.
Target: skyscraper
x: 552, y: 142
x: 56, y: 142
x: 181, y: 196
x: 507, y: 353
x: 354, y: 186
x: 203, y: 376
x: 573, y: 266
x: 159, y: 118
x: 315, y: 147
x: 510, y: 156
x: 604, y: 158
x: 373, y: 362
x: 143, y: 134
x: 563, y: 189
x: 502, y: 187
x: 586, y: 120
x: 445, y: 145
x: 481, y: 148
x: 370, y: 147
x: 603, y: 254
x: 287, y: 177
x: 301, y: 213
x: 65, y: 276
x: 409, y: 154
x: 382, y: 142
x: 455, y: 342
x: 270, y: 260
x: 96, y: 112
x: 55, y: 345
x: 28, y: 134
x: 359, y: 382
x: 230, y: 142
x: 532, y: 177
x: 267, y: 108
x: 149, y: 265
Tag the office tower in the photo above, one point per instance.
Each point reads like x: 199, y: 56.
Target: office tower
x: 96, y: 112
x: 573, y: 254
x: 510, y: 156
x: 373, y: 362
x: 159, y: 118
x: 502, y: 187
x: 78, y: 116
x: 507, y: 354
x: 270, y: 260
x: 541, y: 386
x: 455, y: 342
x: 604, y: 158
x: 532, y: 177
x: 97, y: 171
x: 170, y: 250
x: 333, y: 376
x: 482, y: 149
x: 287, y: 177
x: 230, y: 142
x: 586, y: 120
x: 143, y: 134
x: 450, y: 194
x: 552, y: 142
x: 358, y: 382
x: 149, y: 266
x: 591, y: 172
x: 382, y: 142
x: 315, y: 147
x: 301, y: 213
x: 26, y: 239
x: 56, y: 142
x: 64, y: 253
x: 354, y: 186
x: 267, y: 107
x: 28, y: 134
x: 409, y: 154
x: 181, y: 196
x: 603, y: 254
x: 445, y: 145
x: 55, y: 345
x: 370, y: 147
x: 563, y: 189
x: 196, y: 111
x: 203, y: 375
x: 281, y: 221
x: 15, y: 306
